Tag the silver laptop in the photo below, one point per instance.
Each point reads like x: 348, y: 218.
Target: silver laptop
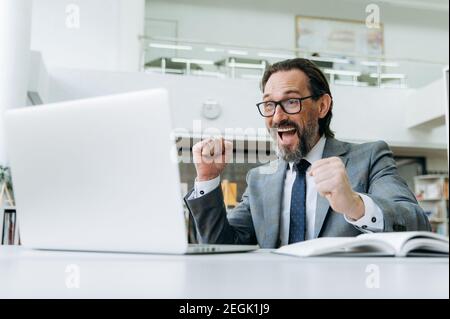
x: 100, y: 174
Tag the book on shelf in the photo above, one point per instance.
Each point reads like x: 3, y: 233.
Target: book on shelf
x: 431, y: 187
x: 229, y: 191
x: 399, y: 244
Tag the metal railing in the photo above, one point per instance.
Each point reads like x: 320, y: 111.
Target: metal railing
x: 220, y: 60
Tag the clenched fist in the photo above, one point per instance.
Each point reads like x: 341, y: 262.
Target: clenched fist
x: 210, y: 157
x: 332, y: 183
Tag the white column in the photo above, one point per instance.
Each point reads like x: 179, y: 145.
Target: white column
x: 15, y: 30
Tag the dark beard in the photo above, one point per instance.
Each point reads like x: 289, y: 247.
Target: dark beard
x: 307, y: 136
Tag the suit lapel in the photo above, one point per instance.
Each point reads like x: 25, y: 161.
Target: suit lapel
x: 332, y: 148
x: 273, y: 186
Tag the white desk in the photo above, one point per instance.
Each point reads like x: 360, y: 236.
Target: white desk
x: 27, y: 273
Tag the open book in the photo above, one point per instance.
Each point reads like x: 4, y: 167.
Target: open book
x: 401, y: 244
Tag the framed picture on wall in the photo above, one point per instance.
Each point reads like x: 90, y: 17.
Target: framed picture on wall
x: 338, y: 37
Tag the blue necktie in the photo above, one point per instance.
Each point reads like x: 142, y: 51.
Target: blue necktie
x: 297, y: 225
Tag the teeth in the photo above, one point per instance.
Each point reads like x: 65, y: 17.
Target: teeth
x: 286, y: 129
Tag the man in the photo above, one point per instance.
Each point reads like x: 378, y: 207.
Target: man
x: 322, y: 187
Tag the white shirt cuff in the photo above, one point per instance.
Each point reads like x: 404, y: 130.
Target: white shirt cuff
x: 373, y: 219
x: 205, y: 187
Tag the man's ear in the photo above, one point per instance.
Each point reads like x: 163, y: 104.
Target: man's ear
x: 324, y: 105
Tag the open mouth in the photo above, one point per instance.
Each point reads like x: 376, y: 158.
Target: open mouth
x: 286, y: 132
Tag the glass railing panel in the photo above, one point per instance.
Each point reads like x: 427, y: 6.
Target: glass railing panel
x: 219, y: 60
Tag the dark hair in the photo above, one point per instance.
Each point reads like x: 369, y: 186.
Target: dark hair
x: 318, y: 85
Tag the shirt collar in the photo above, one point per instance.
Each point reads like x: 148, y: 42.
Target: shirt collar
x: 315, y: 153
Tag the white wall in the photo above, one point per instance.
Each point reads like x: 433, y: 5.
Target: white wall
x: 428, y: 106
x: 131, y: 25
x: 107, y: 37
x: 409, y: 33
x: 416, y: 34
x: 38, y: 81
x: 15, y: 23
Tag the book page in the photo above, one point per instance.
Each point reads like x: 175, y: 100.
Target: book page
x: 398, y: 239
x: 425, y: 247
x: 319, y: 246
x: 386, y: 244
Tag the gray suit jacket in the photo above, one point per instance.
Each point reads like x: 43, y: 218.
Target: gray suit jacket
x: 256, y: 220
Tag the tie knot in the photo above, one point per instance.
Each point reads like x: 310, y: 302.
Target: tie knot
x: 302, y: 166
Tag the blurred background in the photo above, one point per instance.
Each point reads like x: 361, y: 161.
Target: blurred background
x: 386, y: 60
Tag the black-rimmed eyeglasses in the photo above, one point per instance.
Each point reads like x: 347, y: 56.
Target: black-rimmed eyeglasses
x: 289, y: 106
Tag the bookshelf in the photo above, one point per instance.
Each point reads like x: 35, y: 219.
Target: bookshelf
x: 432, y: 194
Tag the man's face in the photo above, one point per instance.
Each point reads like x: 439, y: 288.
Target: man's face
x: 294, y: 134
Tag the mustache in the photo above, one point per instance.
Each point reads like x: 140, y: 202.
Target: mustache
x: 286, y: 123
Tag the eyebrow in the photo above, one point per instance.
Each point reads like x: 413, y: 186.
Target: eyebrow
x: 284, y: 93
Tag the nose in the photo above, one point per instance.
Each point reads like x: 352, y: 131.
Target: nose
x: 279, y: 115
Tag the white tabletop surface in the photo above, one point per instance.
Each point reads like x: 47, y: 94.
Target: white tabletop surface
x: 26, y: 273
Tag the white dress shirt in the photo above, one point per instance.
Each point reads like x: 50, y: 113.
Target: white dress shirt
x: 372, y: 221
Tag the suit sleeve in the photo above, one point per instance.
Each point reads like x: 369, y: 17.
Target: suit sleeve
x: 215, y: 226
x: 390, y: 192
